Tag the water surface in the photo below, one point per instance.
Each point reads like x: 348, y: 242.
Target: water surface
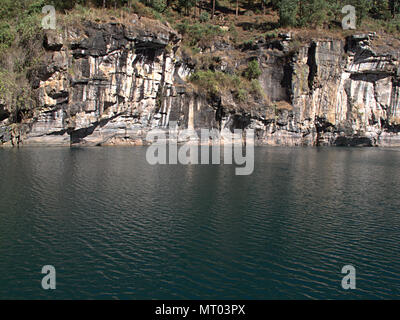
x: 116, y: 227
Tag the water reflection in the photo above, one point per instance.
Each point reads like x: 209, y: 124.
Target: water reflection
x: 132, y: 230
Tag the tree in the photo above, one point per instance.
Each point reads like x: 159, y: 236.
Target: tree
x: 288, y: 10
x: 313, y: 12
x: 186, y: 4
x: 362, y: 9
x: 380, y: 9
x: 394, y: 6
x: 237, y: 8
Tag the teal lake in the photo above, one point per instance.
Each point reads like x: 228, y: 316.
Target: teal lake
x: 115, y: 227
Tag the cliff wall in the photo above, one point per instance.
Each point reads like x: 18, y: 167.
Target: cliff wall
x: 111, y: 83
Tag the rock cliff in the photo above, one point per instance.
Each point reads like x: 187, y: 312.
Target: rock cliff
x: 112, y: 83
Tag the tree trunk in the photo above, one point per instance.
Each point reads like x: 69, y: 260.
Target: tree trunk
x: 300, y: 8
x: 104, y: 3
x: 237, y: 8
x: 213, y: 10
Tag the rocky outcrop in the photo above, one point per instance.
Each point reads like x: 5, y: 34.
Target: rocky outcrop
x: 112, y: 83
x: 340, y: 92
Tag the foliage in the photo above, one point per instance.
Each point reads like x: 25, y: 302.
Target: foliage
x: 16, y: 94
x: 288, y: 10
x: 306, y: 13
x: 313, y: 13
x: 234, y: 33
x: 185, y: 4
x: 210, y: 81
x: 216, y: 82
x: 362, y: 9
x: 253, y: 70
x: 198, y: 32
x: 6, y: 35
x: 241, y: 95
x: 157, y: 5
x: 204, y: 17
x: 393, y: 25
x: 20, y: 35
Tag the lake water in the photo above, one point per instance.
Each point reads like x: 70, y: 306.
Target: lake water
x: 115, y: 227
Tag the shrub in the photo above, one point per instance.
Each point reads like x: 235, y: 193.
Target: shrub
x: 234, y: 32
x: 393, y: 26
x: 6, y: 35
x: 205, y: 80
x: 256, y: 87
x: 288, y: 12
x: 271, y: 35
x: 241, y: 95
x: 27, y: 28
x: 16, y: 94
x: 253, y: 70
x: 214, y: 82
x: 217, y: 82
x: 248, y: 43
x: 204, y: 17
x: 198, y: 32
x: 158, y: 5
x: 141, y: 9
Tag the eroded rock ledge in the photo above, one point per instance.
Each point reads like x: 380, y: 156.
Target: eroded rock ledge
x: 112, y: 83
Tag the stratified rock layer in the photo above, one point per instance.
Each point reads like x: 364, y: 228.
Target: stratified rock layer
x: 112, y: 83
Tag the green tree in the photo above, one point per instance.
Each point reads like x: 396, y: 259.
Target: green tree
x: 186, y: 5
x: 380, y: 9
x: 288, y: 10
x: 362, y: 9
x: 313, y: 12
x: 394, y: 6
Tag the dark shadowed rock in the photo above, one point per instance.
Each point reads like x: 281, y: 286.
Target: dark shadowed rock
x: 53, y: 40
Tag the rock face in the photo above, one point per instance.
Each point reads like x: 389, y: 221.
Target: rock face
x: 112, y: 83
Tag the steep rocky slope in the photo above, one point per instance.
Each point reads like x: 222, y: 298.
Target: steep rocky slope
x: 112, y: 83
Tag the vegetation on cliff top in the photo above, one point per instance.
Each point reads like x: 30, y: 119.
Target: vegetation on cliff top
x: 242, y: 19
x: 19, y: 54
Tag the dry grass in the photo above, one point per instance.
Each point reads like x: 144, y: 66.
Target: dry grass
x: 247, y: 27
x: 104, y: 15
x: 283, y: 105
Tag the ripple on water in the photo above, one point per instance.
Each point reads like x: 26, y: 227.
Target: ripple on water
x: 118, y: 228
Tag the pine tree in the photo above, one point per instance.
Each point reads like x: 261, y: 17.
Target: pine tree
x: 288, y: 10
x: 394, y: 6
x: 362, y: 9
x: 380, y: 9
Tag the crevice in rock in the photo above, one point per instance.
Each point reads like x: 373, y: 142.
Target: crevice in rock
x: 312, y: 65
x: 287, y: 80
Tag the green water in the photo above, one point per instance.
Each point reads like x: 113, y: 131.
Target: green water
x: 115, y: 227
